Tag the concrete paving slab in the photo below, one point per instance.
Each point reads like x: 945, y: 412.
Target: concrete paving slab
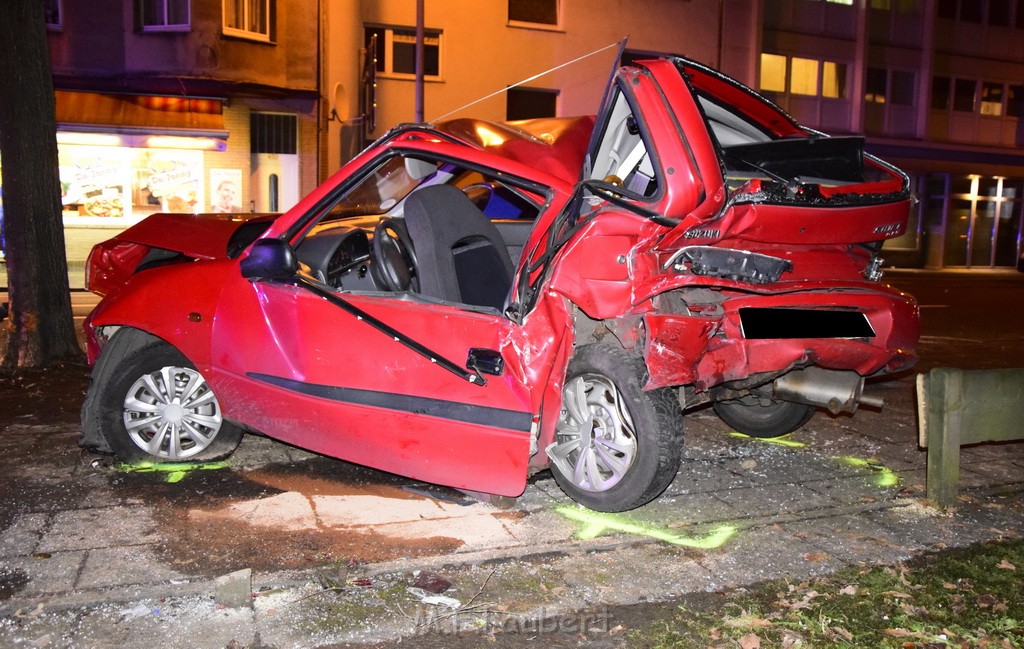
x: 100, y: 527
x: 125, y: 566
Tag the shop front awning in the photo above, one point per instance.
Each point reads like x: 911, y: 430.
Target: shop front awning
x: 141, y: 120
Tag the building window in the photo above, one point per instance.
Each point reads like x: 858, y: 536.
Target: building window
x: 963, y: 95
x: 534, y: 12
x: 1000, y: 13
x: 991, y: 99
x: 395, y: 51
x: 773, y: 72
x: 529, y: 103
x: 875, y: 87
x: 1014, y: 100
x: 800, y: 76
x: 249, y: 19
x: 157, y: 15
x: 890, y: 87
x: 940, y: 92
x: 803, y: 76
x: 273, y: 133
x: 52, y: 13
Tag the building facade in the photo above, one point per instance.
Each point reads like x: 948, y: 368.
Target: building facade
x: 180, y: 105
x: 937, y: 87
x: 207, y: 105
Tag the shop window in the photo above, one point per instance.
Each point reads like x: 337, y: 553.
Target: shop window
x: 963, y: 95
x: 395, y: 51
x: 773, y: 72
x: 273, y: 133
x: 991, y: 99
x: 249, y: 19
x: 940, y: 92
x: 158, y: 15
x: 803, y: 76
x: 529, y: 103
x: 840, y: 2
x: 535, y: 12
x: 52, y: 14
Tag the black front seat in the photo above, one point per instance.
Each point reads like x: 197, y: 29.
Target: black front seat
x: 461, y: 256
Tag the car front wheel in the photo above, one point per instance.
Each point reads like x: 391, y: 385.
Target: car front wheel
x: 146, y: 401
x: 616, y: 446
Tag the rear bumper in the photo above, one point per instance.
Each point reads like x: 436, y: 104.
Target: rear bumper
x: 705, y: 351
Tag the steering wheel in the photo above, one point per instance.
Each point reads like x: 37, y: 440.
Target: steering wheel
x: 394, y: 256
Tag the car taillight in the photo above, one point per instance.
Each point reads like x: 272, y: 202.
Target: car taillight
x: 110, y: 264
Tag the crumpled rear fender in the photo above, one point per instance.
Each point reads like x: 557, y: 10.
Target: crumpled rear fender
x: 708, y: 349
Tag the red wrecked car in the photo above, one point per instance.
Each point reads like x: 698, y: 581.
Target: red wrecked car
x: 470, y: 303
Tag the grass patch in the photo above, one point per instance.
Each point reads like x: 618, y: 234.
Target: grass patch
x: 970, y: 597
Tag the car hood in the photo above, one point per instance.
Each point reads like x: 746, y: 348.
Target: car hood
x: 204, y: 236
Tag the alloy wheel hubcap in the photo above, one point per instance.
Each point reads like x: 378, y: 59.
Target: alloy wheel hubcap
x: 595, y: 441
x: 172, y: 413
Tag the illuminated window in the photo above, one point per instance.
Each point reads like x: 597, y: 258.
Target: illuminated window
x: 991, y: 99
x: 396, y: 51
x: 841, y: 2
x: 537, y: 12
x: 249, y: 19
x: 833, y: 79
x: 163, y: 14
x: 773, y: 72
x: 803, y: 77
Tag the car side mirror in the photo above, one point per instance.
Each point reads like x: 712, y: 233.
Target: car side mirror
x: 270, y: 259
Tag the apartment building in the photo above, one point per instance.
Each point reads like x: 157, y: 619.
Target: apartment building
x: 181, y: 105
x: 937, y: 87
x: 202, y: 105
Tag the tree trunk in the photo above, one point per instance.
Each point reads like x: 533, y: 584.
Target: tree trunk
x: 40, y: 325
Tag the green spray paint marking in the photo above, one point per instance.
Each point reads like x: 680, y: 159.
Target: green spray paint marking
x: 886, y: 476
x: 780, y: 441
x: 596, y: 524
x: 175, y: 470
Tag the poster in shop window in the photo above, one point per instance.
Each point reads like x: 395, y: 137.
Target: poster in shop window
x: 226, y: 190
x: 122, y: 185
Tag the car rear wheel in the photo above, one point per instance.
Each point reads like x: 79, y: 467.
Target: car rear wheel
x: 146, y: 401
x: 762, y: 417
x: 616, y: 446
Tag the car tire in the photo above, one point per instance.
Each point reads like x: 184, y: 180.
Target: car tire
x: 753, y: 417
x: 616, y: 446
x: 147, y: 402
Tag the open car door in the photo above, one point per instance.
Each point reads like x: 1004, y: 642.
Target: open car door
x: 393, y: 378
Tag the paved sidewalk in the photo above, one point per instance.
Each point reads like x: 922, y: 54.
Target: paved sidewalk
x: 92, y: 556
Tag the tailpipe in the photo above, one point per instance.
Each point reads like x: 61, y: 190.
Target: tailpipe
x: 835, y: 390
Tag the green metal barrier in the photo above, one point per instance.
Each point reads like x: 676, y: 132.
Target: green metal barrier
x: 958, y: 407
